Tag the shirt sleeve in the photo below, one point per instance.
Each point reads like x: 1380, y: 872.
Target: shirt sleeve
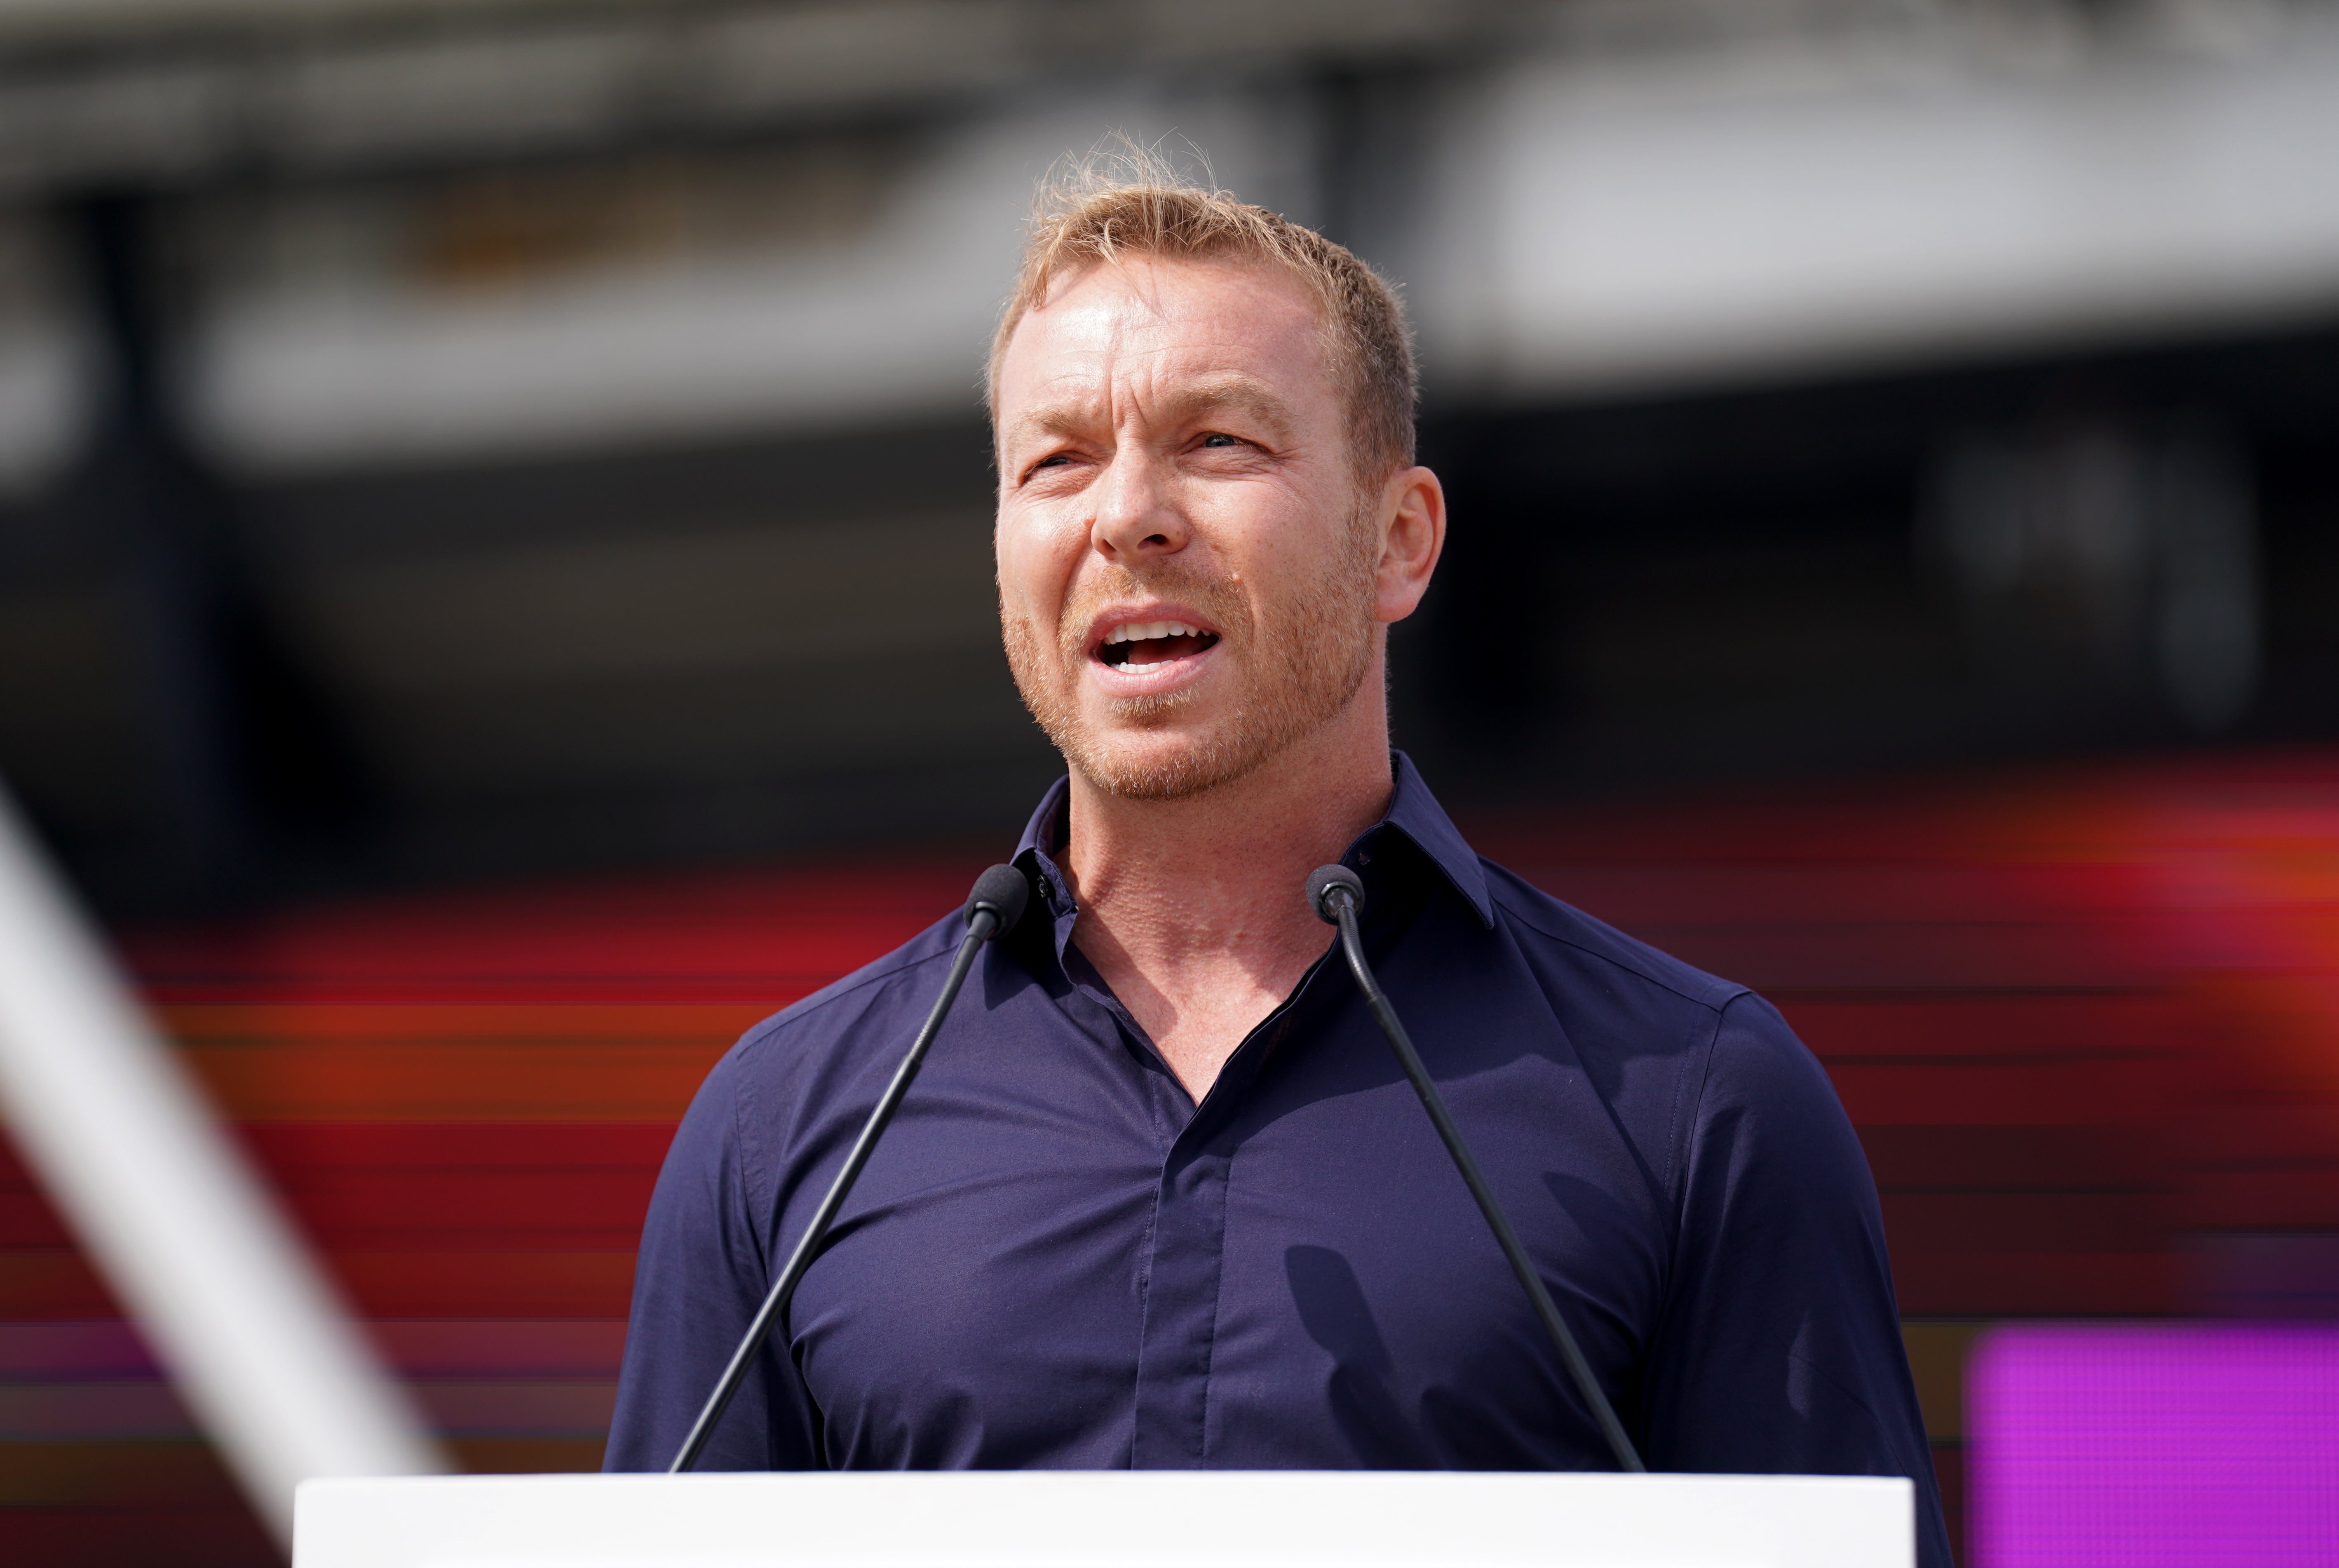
x: 703, y: 1271
x: 1779, y: 1348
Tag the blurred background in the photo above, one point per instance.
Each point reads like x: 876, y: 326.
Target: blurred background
x: 494, y: 591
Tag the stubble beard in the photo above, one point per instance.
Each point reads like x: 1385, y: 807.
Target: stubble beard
x: 1297, y: 673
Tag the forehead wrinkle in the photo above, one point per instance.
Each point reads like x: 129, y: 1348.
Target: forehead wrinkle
x: 1233, y: 390
x: 1052, y: 419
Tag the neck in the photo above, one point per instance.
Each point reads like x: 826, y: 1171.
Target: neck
x: 1193, y: 911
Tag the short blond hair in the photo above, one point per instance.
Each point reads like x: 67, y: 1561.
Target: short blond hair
x: 1099, y: 210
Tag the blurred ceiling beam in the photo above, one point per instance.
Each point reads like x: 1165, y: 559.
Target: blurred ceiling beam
x: 1612, y: 227
x: 170, y: 91
x: 180, y: 91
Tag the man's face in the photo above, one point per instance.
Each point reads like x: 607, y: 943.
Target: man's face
x: 1186, y: 559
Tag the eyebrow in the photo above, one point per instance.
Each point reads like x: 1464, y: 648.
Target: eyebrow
x: 1234, y: 391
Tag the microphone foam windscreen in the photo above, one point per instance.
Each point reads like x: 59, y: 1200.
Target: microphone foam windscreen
x: 1005, y: 893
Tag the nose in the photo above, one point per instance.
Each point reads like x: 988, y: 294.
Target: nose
x: 1137, y: 518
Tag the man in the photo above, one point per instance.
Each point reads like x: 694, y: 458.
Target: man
x: 1161, y: 1197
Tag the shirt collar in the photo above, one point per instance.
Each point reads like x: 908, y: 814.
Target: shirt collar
x: 1413, y: 811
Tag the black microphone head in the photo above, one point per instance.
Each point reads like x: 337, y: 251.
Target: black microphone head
x: 1002, y: 891
x: 1320, y: 884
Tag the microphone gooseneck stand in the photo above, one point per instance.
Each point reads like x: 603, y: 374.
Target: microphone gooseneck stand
x: 1335, y: 893
x: 994, y: 906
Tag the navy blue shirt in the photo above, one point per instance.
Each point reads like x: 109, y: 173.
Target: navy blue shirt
x: 1056, y: 1257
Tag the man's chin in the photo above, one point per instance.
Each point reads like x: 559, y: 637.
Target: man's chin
x: 1156, y: 765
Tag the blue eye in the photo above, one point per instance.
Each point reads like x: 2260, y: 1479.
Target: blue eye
x: 1215, y: 440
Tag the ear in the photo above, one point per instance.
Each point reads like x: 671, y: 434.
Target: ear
x: 1413, y: 535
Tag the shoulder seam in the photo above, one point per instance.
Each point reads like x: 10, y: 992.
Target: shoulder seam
x: 739, y: 1123
x: 1704, y: 1079
x: 1684, y: 1141
x: 1732, y: 990
x: 789, y: 1014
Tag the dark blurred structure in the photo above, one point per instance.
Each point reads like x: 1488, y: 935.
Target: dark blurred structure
x: 2090, y: 554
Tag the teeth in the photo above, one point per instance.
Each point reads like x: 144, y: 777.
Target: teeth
x: 1145, y: 631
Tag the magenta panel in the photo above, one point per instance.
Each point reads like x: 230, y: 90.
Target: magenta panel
x: 2198, y: 1444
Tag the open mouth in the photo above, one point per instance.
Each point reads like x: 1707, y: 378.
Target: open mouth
x: 1135, y: 645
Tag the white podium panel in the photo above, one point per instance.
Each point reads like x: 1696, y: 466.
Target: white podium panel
x: 1119, y: 1519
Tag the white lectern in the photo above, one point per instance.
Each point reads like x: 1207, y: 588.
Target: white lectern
x: 1087, y: 1519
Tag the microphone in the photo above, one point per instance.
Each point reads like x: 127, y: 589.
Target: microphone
x: 1335, y: 894
x: 994, y: 907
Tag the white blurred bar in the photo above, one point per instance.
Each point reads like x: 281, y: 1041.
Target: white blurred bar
x: 1823, y: 204
x: 124, y: 1143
